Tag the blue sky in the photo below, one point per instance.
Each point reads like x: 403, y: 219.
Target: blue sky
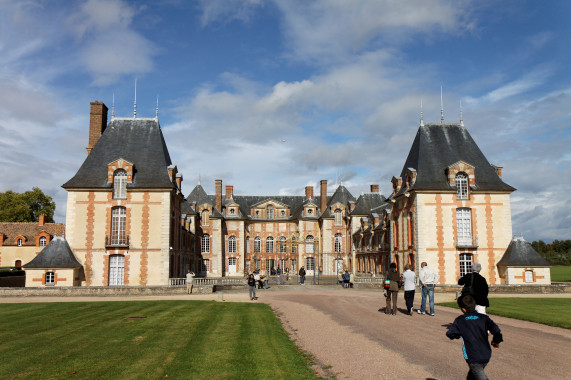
x: 272, y: 96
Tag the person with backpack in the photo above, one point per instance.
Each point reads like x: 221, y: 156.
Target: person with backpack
x: 476, y: 286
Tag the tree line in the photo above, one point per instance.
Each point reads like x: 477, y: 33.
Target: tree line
x: 557, y: 253
x: 26, y: 206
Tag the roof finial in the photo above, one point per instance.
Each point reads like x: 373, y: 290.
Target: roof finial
x: 441, y: 107
x: 461, y: 117
x: 135, y: 104
x: 421, y: 117
x: 113, y: 108
x: 199, y: 178
x: 157, y: 113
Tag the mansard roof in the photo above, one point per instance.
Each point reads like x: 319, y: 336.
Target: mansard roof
x: 366, y: 202
x: 521, y: 254
x: 139, y: 141
x: 57, y: 254
x: 437, y: 146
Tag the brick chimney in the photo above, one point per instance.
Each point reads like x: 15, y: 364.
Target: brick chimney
x: 218, y: 186
x: 229, y: 192
x: 309, y: 192
x: 42, y: 220
x: 323, y: 200
x: 97, y: 123
x: 179, y: 181
x: 374, y: 188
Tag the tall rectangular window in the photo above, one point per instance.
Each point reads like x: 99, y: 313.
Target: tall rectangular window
x: 465, y: 263
x: 232, y: 244
x: 257, y: 244
x: 120, y: 184
x: 461, y: 186
x: 310, y: 263
x: 50, y: 278
x: 309, y: 244
x: 118, y: 222
x: 205, y: 266
x: 205, y: 244
x: 464, y: 226
x: 338, y: 217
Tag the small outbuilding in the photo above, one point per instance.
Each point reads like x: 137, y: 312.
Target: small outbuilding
x: 523, y: 265
x: 55, y: 265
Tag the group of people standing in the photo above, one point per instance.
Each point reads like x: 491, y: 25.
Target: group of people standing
x: 473, y: 282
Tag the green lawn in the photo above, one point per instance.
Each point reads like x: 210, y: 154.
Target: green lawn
x: 561, y: 273
x: 147, y: 340
x: 548, y: 311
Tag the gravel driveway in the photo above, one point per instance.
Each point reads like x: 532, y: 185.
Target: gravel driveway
x: 351, y: 339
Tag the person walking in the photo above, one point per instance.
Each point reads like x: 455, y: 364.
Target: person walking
x: 393, y: 291
x: 257, y: 277
x: 409, y: 283
x: 252, y: 287
x: 473, y: 328
x: 189, y: 281
x: 346, y: 278
x: 428, y: 279
x: 477, y: 286
x: 302, y: 275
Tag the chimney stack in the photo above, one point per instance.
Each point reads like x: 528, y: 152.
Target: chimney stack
x: 374, y: 188
x: 323, y: 203
x: 179, y: 181
x: 229, y: 192
x: 97, y: 123
x: 309, y: 192
x: 42, y: 220
x: 218, y: 186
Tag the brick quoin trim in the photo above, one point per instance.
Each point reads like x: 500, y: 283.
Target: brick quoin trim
x: 440, y: 237
x: 90, y: 223
x: 490, y: 233
x: 126, y: 270
x: 144, y: 240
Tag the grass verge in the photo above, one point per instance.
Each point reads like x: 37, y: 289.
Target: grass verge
x: 147, y: 340
x: 548, y: 311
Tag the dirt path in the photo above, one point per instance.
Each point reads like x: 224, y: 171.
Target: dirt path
x: 351, y: 339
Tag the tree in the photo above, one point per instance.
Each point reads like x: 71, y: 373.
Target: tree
x: 26, y: 207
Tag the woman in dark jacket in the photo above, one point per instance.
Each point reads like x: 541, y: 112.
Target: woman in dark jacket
x: 252, y: 287
x: 393, y: 291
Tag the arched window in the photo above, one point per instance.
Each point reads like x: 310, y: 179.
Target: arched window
x: 205, y: 217
x: 257, y: 244
x: 120, y: 184
x: 118, y: 222
x: 205, y: 244
x: 293, y: 245
x: 43, y: 241
x: 50, y: 278
x: 461, y: 186
x: 465, y: 263
x: 270, y: 245
x: 270, y: 212
x: 232, y: 244
x: 338, y: 217
x: 283, y: 245
x: 338, y: 243
x: 309, y: 246
x: 20, y: 242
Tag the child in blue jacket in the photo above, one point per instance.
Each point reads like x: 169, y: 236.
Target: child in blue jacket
x: 473, y: 328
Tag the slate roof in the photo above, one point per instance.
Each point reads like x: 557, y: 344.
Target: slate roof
x: 366, y: 202
x: 30, y: 230
x: 139, y: 141
x: 437, y: 146
x: 521, y: 254
x: 57, y: 254
x: 341, y: 195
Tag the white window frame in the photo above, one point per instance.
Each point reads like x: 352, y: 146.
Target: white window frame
x: 464, y: 226
x: 205, y: 244
x: 465, y: 263
x: 118, y: 226
x: 120, y: 184
x: 232, y: 261
x: 269, y: 244
x: 257, y: 245
x: 20, y: 242
x: 232, y: 244
x: 116, y: 270
x: 309, y: 247
x: 528, y: 276
x: 269, y: 212
x: 293, y: 265
x: 283, y: 246
x: 50, y: 278
x: 310, y: 263
x: 462, y: 186
x: 205, y: 265
x: 338, y: 243
x: 338, y: 217
x: 43, y: 241
x: 205, y: 217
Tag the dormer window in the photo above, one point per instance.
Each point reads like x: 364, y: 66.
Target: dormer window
x: 20, y: 242
x: 282, y: 213
x: 120, y: 184
x: 205, y: 217
x: 309, y: 211
x: 462, y: 186
x: 270, y: 212
x: 43, y: 241
x: 338, y: 217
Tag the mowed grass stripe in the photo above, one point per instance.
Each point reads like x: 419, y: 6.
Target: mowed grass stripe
x: 181, y: 339
x: 548, y: 311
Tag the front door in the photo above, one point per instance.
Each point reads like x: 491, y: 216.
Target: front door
x: 232, y: 265
x: 116, y: 270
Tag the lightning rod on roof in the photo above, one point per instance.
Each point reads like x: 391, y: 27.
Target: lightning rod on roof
x: 135, y: 104
x: 461, y: 117
x: 421, y: 117
x: 157, y: 113
x: 113, y: 108
x: 441, y: 107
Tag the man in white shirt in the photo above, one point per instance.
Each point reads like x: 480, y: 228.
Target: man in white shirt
x: 189, y: 281
x: 408, y: 278
x: 428, y: 279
